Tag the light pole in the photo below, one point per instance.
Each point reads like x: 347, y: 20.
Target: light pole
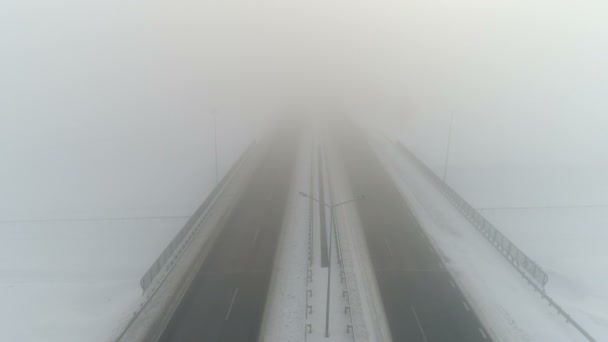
x: 447, y: 152
x: 332, y: 226
x: 217, y: 176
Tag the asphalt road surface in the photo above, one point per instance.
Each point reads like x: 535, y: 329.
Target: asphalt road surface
x: 227, y: 297
x: 421, y: 300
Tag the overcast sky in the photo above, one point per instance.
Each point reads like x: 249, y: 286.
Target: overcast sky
x: 105, y: 106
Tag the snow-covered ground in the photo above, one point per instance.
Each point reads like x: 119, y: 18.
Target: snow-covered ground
x: 88, y: 202
x: 506, y: 304
x: 570, y: 244
x: 540, y: 178
x: 74, y: 280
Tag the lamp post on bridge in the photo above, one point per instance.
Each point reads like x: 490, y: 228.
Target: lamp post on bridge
x: 331, y: 207
x: 217, y: 174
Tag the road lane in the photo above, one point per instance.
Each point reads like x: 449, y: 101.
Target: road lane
x: 227, y: 297
x: 420, y: 299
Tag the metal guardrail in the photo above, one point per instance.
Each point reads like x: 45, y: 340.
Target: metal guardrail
x: 526, y: 267
x: 516, y: 257
x: 179, y: 242
x: 345, y: 293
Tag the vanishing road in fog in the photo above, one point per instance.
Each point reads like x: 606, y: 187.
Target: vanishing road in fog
x: 420, y: 299
x: 226, y: 300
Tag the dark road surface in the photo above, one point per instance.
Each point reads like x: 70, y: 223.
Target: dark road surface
x: 227, y: 297
x: 421, y: 300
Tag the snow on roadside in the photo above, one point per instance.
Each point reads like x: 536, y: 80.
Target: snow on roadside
x: 570, y: 243
x: 507, y: 306
x: 74, y: 280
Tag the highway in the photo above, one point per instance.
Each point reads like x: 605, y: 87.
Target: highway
x: 227, y: 297
x: 421, y: 300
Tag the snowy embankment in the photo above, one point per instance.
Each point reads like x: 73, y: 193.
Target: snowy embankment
x: 74, y: 280
x: 570, y: 244
x: 507, y: 305
x: 551, y: 202
x: 88, y: 203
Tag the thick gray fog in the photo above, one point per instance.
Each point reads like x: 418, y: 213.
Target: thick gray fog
x: 106, y: 107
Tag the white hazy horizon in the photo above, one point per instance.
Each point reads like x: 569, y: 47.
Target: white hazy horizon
x: 106, y: 107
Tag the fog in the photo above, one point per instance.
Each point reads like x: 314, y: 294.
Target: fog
x: 106, y: 106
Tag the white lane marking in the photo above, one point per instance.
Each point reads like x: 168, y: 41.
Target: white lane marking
x: 256, y: 235
x: 452, y: 283
x: 388, y: 247
x: 483, y: 334
x: 236, y: 292
x: 466, y: 306
x: 419, y: 325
